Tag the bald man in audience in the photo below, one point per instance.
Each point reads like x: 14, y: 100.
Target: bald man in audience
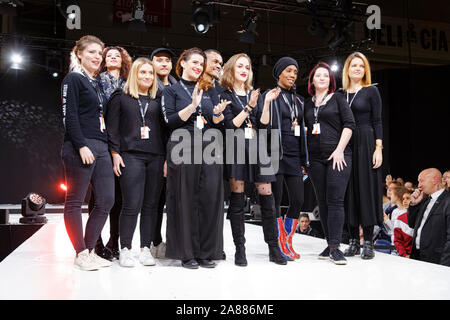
x: 429, y: 216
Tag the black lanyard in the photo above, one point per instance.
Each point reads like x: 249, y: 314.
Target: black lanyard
x: 190, y: 96
x: 97, y: 91
x: 292, y: 108
x: 143, y: 111
x: 317, y: 109
x: 242, y: 105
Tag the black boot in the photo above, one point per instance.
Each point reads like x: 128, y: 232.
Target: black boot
x: 270, y: 229
x: 353, y: 249
x: 367, y: 251
x: 101, y: 251
x: 236, y: 216
x: 113, y: 247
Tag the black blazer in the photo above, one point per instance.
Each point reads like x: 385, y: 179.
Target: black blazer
x: 435, y: 236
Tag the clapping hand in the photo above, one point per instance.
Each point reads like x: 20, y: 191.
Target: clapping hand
x: 272, y: 95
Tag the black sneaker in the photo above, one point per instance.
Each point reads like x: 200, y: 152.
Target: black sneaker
x: 325, y: 254
x: 337, y: 256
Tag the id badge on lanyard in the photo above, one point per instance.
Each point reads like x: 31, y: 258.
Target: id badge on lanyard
x: 102, y: 123
x: 316, y: 125
x: 248, y: 131
x: 145, y: 130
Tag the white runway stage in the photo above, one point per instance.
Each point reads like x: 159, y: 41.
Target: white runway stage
x: 42, y: 268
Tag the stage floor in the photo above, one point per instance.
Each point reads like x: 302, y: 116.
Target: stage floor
x: 42, y: 268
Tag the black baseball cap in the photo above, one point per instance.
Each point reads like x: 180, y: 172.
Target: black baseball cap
x: 170, y: 52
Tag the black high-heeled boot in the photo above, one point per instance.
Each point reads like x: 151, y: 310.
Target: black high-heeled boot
x: 367, y: 251
x: 267, y: 203
x: 236, y: 217
x: 353, y: 249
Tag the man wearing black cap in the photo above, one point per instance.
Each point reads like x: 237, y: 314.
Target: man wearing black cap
x: 162, y: 60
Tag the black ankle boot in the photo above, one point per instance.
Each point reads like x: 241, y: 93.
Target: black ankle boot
x: 353, y: 249
x: 239, y: 257
x: 113, y: 247
x: 275, y: 256
x: 367, y: 251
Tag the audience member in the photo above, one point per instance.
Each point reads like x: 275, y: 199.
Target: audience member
x: 429, y: 215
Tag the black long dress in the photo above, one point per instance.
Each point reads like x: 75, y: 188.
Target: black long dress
x: 363, y: 202
x: 194, y: 190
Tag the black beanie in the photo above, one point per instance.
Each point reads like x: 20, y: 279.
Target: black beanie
x: 281, y: 65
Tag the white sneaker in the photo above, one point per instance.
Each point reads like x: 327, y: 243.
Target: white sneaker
x: 84, y: 261
x: 126, y: 258
x: 146, y: 258
x: 159, y: 251
x: 102, y: 263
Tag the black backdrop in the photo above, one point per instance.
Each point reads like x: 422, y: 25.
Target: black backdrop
x: 416, y: 109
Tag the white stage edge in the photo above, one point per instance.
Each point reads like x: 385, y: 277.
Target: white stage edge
x: 42, y: 268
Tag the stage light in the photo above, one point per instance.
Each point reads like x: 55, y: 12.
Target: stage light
x: 339, y: 36
x: 334, y: 67
x: 33, y: 209
x: 55, y: 75
x: 63, y: 187
x: 248, y: 28
x: 202, y: 16
x: 16, y: 61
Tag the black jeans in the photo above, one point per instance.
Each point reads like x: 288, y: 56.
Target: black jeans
x: 78, y: 177
x: 141, y: 184
x: 295, y: 189
x: 329, y: 186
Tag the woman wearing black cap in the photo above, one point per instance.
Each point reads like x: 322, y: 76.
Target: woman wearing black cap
x: 194, y: 190
x: 287, y: 116
x: 246, y: 112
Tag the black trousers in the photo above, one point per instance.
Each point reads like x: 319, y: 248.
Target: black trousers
x: 194, y: 208
x: 78, y: 177
x: 295, y: 189
x: 114, y: 215
x: 141, y: 184
x: 330, y: 186
x: 157, y: 237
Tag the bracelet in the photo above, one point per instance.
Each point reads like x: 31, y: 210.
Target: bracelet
x: 248, y: 109
x: 217, y: 115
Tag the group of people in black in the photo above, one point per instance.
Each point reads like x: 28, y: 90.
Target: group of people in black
x: 138, y: 137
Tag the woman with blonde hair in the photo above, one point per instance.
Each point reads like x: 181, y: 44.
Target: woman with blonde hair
x: 85, y: 151
x: 137, y: 141
x: 364, y: 197
x: 246, y: 113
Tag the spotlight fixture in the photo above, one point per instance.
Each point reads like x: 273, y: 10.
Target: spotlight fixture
x: 316, y: 28
x: 340, y: 35
x: 202, y: 16
x: 63, y: 5
x: 13, y: 3
x: 137, y: 20
x: 248, y: 28
x: 33, y: 209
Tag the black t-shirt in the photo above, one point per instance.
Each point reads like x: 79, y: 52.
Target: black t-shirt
x: 81, y: 110
x: 333, y: 116
x: 124, y: 122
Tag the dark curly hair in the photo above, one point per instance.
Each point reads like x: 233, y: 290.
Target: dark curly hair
x: 126, y: 62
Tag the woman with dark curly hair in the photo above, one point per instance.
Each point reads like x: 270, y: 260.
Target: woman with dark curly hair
x: 112, y: 74
x: 114, y: 69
